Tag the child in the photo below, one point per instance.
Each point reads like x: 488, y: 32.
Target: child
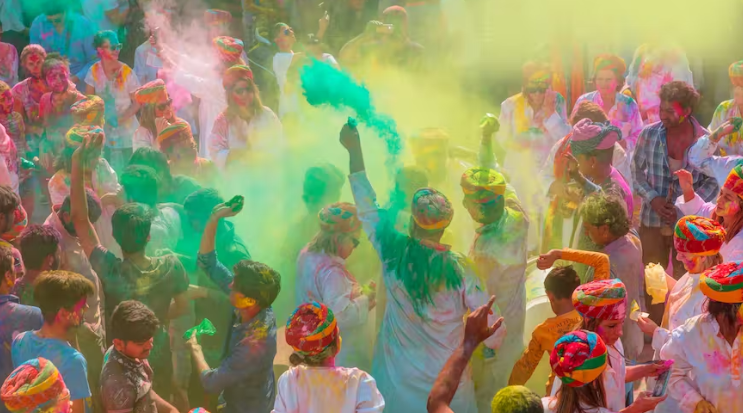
x: 312, y: 331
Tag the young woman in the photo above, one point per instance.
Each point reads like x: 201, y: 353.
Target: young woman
x: 115, y: 83
x: 706, y: 375
x: 27, y: 94
x: 322, y: 276
x: 155, y: 104
x: 246, y: 126
x: 312, y: 331
x: 697, y: 242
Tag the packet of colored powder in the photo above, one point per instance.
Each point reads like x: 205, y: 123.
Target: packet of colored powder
x: 205, y: 327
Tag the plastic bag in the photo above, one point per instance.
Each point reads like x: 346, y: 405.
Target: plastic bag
x: 635, y: 312
x: 655, y: 283
x: 204, y: 327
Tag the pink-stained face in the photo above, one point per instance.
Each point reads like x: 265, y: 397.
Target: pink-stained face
x: 32, y: 64
x: 165, y: 110
x: 242, y: 94
x: 738, y: 95
x: 672, y: 114
x: 606, y: 82
x: 109, y: 51
x: 6, y: 102
x: 58, y: 78
x: 610, y: 331
x: 694, y: 263
x: 728, y: 203
x: 76, y: 316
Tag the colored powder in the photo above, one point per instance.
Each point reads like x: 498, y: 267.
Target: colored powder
x: 325, y: 85
x: 205, y: 327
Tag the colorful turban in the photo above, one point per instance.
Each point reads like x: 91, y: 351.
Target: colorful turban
x: 735, y: 71
x: 20, y: 222
x: 311, y: 329
x: 88, y: 111
x: 235, y: 74
x: 610, y: 62
x: 482, y: 185
x: 339, y: 217
x: 34, y: 386
x: 603, y: 299
x: 77, y: 133
x: 698, y: 235
x: 216, y: 17
x: 724, y: 283
x: 579, y: 357
x: 431, y: 209
x: 198, y: 410
x: 173, y: 134
x: 734, y: 181
x: 536, y: 75
x: 591, y: 136
x: 229, y: 48
x: 152, y: 93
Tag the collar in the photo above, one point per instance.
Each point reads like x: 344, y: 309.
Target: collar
x: 493, y: 226
x: 9, y: 298
x: 699, y: 130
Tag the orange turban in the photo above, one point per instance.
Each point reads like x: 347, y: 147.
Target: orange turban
x: 177, y: 132
x: 229, y: 48
x: 152, y: 93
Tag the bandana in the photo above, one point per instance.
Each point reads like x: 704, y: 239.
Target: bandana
x: 735, y: 71
x: 34, y: 386
x: 152, y: 93
x: 591, y: 136
x: 482, y: 185
x: 604, y: 300
x: 20, y: 222
x: 311, y: 329
x: 734, y: 181
x: 88, y: 111
x: 339, y: 217
x: 173, y: 134
x: 610, y: 62
x: 77, y: 133
x: 216, y: 17
x: 229, y: 48
x: 724, y: 283
x: 698, y: 235
x: 235, y: 74
x: 431, y: 209
x: 579, y: 357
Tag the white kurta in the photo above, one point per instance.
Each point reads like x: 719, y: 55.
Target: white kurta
x: 304, y: 389
x: 212, y: 102
x: 730, y: 251
x: 324, y: 278
x: 412, y: 349
x: 706, y: 366
x: 550, y: 404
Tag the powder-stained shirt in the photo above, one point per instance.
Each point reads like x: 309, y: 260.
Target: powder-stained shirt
x: 625, y: 115
x: 304, y: 389
x: 75, y: 42
x: 16, y: 318
x: 706, y: 366
x: 28, y: 93
x: 116, y: 94
x: 733, y: 143
x: 262, y: 135
x: 652, y: 176
x: 245, y: 377
x: 126, y: 384
x: 8, y: 64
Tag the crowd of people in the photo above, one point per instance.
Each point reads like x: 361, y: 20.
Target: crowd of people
x: 125, y: 286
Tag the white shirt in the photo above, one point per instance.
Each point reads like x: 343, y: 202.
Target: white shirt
x: 706, y: 366
x: 730, y: 251
x: 304, y: 389
x: 11, y: 16
x: 550, y: 404
x: 143, y: 139
x: 95, y: 11
x: 263, y: 135
x: 121, y: 135
x: 702, y: 156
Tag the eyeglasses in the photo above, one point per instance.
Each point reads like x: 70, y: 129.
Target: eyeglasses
x: 56, y: 20
x: 161, y: 107
x: 115, y: 47
x: 355, y: 241
x: 243, y: 90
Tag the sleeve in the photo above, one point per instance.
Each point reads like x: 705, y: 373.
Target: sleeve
x: 35, y: 30
x: 76, y: 377
x: 368, y: 397
x: 139, y: 63
x: 108, y: 181
x: 103, y: 261
x: 636, y: 125
x: 680, y: 385
x: 217, y: 272
x: 245, y: 360
x: 219, y: 147
x: 696, y: 206
x: 178, y: 273
x: 557, y: 124
x: 660, y: 338
x: 506, y: 128
x: 117, y: 395
x: 487, y: 157
x: 368, y: 210
x: 597, y: 260
x: 525, y: 366
x: 338, y: 294
x: 142, y: 138
x: 548, y: 170
x: 89, y: 78
x: 702, y: 157
x: 284, y: 393
x: 639, y: 169
x: 475, y: 296
x: 197, y: 86
x: 14, y: 68
x: 132, y: 82
x: 5, y: 178
x: 717, y: 117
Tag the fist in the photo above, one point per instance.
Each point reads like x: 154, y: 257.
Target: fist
x: 349, y: 136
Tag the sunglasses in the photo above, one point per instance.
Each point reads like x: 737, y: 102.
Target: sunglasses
x: 535, y: 89
x: 287, y: 32
x: 56, y: 20
x: 161, y: 107
x: 243, y: 90
x: 115, y: 47
x: 356, y: 242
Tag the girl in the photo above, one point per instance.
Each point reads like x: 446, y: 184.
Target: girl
x: 155, y: 104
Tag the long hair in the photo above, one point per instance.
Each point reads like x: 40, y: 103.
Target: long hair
x: 729, y: 312
x: 233, y: 111
x: 296, y: 358
x: 325, y: 242
x: 735, y: 224
x: 572, y: 399
x: 147, y: 119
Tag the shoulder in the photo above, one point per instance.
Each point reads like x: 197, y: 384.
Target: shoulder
x: 511, y: 101
x: 20, y: 87
x: 38, y: 21
x: 725, y: 105
x: 269, y: 114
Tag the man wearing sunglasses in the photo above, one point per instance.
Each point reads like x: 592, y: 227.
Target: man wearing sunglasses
x: 67, y: 33
x: 285, y: 40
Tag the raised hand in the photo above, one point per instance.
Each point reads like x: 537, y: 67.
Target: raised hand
x: 546, y: 261
x: 476, y: 328
x: 349, y: 137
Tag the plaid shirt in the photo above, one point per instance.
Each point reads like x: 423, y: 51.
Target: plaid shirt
x: 652, y: 176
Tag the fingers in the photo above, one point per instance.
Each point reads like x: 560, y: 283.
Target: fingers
x: 496, y: 326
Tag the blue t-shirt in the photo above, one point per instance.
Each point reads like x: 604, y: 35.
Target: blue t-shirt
x: 16, y: 318
x: 70, y: 363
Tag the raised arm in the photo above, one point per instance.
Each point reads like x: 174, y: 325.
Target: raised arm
x: 208, y: 260
x: 489, y: 127
x: 81, y: 160
x: 597, y: 260
x: 702, y: 154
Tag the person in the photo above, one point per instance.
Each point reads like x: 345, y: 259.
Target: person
x: 27, y: 97
x: 35, y: 386
x: 172, y: 188
x: 89, y: 111
x: 662, y: 149
x: 16, y: 316
x: 315, y: 48
x: 178, y: 144
x: 62, y: 297
x: 579, y: 359
x: 322, y: 276
x: 39, y: 246
x: 314, y: 334
x: 653, y: 66
x: 114, y: 82
x: 105, y: 14
x: 9, y: 161
x: 705, y: 376
x: 245, y: 125
x: 284, y: 38
x: 730, y: 109
x: 559, y: 286
x: 8, y: 62
x: 430, y: 289
x: 166, y: 279
x: 10, y: 206
x: 13, y: 143
x: 622, y: 110
x: 697, y: 242
x: 68, y: 33
x: 155, y: 103
x: 345, y: 20
x: 477, y: 329
x: 126, y: 378
x: 245, y: 376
